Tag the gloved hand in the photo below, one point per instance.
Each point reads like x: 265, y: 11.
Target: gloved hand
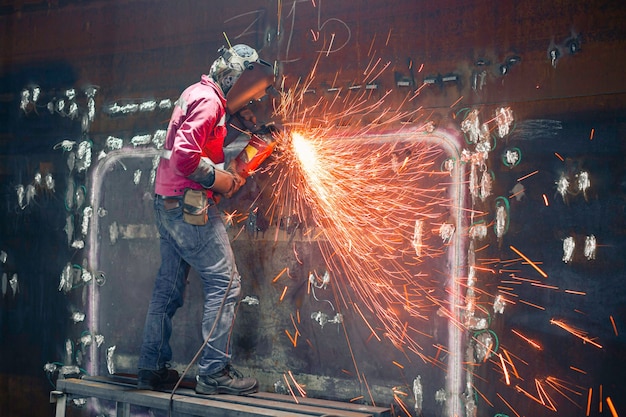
x: 227, y: 182
x: 238, y: 180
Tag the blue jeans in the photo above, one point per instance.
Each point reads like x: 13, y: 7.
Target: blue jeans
x: 207, y: 250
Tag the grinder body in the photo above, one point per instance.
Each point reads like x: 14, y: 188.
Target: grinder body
x: 258, y: 149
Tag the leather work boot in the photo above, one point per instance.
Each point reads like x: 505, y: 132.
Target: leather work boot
x: 226, y: 381
x: 149, y: 379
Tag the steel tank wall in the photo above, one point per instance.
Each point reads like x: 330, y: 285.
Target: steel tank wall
x: 559, y: 67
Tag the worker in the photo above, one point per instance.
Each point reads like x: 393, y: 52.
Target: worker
x: 191, y: 177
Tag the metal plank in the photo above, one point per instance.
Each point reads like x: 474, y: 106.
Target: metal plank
x: 161, y: 400
x: 275, y: 400
x: 320, y: 409
x: 373, y: 410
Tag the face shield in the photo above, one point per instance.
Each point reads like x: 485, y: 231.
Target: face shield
x: 241, y: 75
x: 251, y: 85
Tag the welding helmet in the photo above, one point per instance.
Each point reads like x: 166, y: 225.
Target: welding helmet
x: 241, y: 75
x: 231, y: 63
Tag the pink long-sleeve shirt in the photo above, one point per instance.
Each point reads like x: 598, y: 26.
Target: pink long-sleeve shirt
x: 196, y: 130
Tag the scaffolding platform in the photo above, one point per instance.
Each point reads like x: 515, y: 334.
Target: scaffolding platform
x: 123, y: 393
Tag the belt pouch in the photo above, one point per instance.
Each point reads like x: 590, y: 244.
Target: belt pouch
x: 195, y: 207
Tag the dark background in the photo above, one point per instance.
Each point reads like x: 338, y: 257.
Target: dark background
x: 134, y: 51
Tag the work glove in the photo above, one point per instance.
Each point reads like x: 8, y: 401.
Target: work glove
x: 225, y: 182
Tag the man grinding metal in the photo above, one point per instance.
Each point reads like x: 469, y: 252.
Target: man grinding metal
x: 190, y: 177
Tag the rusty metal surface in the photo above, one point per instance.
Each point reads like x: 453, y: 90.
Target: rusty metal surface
x: 137, y: 48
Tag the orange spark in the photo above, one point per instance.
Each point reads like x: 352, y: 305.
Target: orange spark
x: 614, y: 326
x: 600, y: 405
x: 527, y: 175
x: 511, y: 363
x: 545, y: 199
x: 506, y: 373
x: 298, y: 386
x: 401, y: 404
x: 524, y: 279
x: 589, y: 402
x: 591, y: 134
x: 532, y: 305
x: 294, y: 326
x: 555, y: 382
x: 542, y: 396
x: 517, y: 193
x: 549, y: 287
x: 511, y: 294
x: 577, y: 370
x: 388, y: 37
x: 282, y: 296
x: 366, y: 322
x: 330, y: 45
x: 294, y: 339
x: 290, y: 389
x: 609, y: 402
x: 279, y: 274
x: 456, y: 102
x: 483, y: 396
x: 369, y: 391
x: 482, y: 248
x: 507, y: 404
x: 543, y: 274
x: 578, y: 333
x: 559, y: 156
x: 406, y: 295
x: 529, y: 341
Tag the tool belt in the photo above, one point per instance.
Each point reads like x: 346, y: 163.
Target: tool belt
x: 196, y: 207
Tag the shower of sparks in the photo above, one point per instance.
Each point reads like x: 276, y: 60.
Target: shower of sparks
x: 372, y: 200
x: 355, y: 177
x: 542, y: 397
x: 509, y: 354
